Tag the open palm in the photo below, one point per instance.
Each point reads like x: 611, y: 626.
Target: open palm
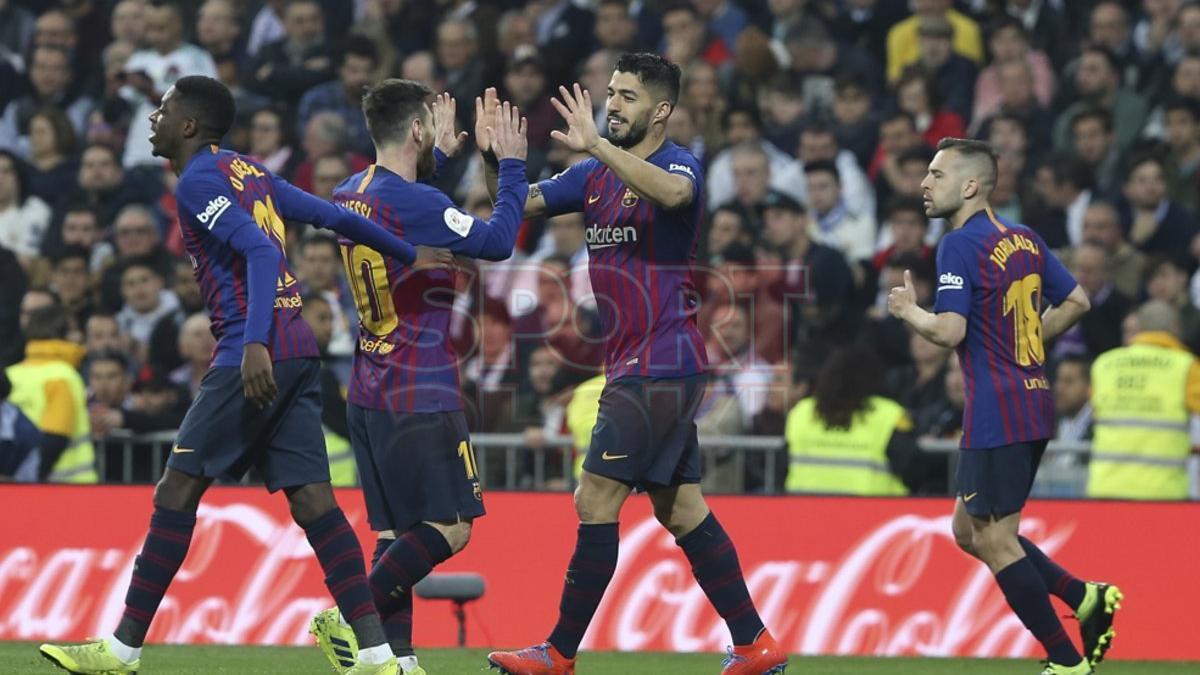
x: 576, y: 109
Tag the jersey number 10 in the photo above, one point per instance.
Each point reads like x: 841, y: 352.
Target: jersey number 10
x: 1024, y: 301
x: 368, y: 276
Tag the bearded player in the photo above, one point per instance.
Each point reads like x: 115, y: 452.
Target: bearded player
x: 994, y: 277
x: 260, y: 402
x: 405, y: 410
x: 641, y: 195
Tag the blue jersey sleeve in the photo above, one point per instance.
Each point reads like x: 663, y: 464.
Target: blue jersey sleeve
x: 436, y: 221
x: 1057, y: 282
x: 954, y: 283
x: 564, y: 192
x: 680, y: 162
x: 296, y: 204
x: 205, y: 203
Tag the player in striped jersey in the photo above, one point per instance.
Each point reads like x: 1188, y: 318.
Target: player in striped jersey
x: 259, y: 404
x: 642, y: 196
x: 995, y: 279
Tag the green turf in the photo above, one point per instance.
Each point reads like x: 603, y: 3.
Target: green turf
x: 17, y: 658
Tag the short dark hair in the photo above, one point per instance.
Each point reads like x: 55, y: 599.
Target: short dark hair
x: 110, y: 355
x: 1188, y: 105
x: 357, y: 45
x: 898, y: 115
x: 823, y: 166
x: 1065, y: 167
x: 654, y: 72
x: 1110, y: 58
x: 210, y: 101
x: 976, y: 151
x: 71, y: 252
x: 680, y: 6
x: 1145, y: 157
x: 741, y: 109
x: 321, y: 239
x: 921, y: 154
x: 145, y: 262
x: 1081, y: 360
x: 47, y: 323
x: 1093, y: 113
x: 391, y: 105
x: 897, y: 203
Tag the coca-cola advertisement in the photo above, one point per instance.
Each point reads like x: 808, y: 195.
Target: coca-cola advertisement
x: 829, y: 575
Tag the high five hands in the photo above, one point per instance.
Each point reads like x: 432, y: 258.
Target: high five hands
x: 444, y: 109
x: 507, y: 132
x: 576, y: 109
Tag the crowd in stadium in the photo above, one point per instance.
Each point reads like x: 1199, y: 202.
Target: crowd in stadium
x: 815, y: 120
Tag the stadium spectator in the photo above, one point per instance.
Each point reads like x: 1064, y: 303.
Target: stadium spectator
x: 102, y: 333
x: 1182, y: 134
x: 1047, y: 25
x: 1110, y: 28
x: 710, y: 111
x: 52, y: 163
x: 16, y: 27
x: 525, y: 86
x: 320, y: 273
x: 906, y: 226
x: 943, y: 418
x: 1018, y: 100
x: 1100, y: 329
x: 920, y: 383
x: 355, y: 68
x: 854, y: 119
x: 1064, y: 184
x: 615, y: 27
x: 951, y: 74
x: 897, y: 134
x: 104, y: 185
x: 837, y: 226
x: 847, y: 438
x: 285, y: 68
x: 686, y: 38
x: 742, y: 127
x: 902, y: 40
x: 325, y: 136
x: 751, y: 181
x: 1072, y: 405
x: 150, y: 72
x: 81, y: 227
x: 1098, y: 83
x: 196, y: 345
x: 318, y: 314
x: 24, y: 218
x: 1154, y: 223
x: 812, y: 53
x: 1142, y: 397
x: 51, y: 80
x: 737, y: 279
x: 726, y: 226
x: 737, y: 365
x: 1095, y: 144
x: 818, y: 142
x: 1125, y: 264
x: 327, y: 173
x: 270, y: 142
x: 71, y: 281
x: 13, y: 284
x: 1167, y: 281
x: 457, y: 49
x: 19, y: 440
x: 1009, y: 43
x: 47, y: 387
x: 219, y: 32
x: 918, y: 95
x: 145, y: 302
x: 137, y: 237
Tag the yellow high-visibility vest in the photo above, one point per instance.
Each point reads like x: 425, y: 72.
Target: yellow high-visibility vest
x: 77, y: 463
x: 843, y: 461
x: 343, y: 472
x: 1141, y: 444
x: 582, y: 413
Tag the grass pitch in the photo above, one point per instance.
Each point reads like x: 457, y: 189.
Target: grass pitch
x: 22, y: 658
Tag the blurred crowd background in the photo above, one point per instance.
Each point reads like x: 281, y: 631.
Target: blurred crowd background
x: 814, y: 119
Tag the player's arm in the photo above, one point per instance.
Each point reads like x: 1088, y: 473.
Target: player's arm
x: 943, y: 328
x: 237, y: 229
x: 663, y: 188
x: 1068, y: 300
x: 486, y: 109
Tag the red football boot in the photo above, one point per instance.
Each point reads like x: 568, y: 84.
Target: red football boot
x: 764, y: 657
x: 541, y: 659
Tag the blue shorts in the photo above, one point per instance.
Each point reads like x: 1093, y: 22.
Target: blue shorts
x: 995, y: 482
x: 223, y: 434
x: 414, y: 467
x: 645, y: 434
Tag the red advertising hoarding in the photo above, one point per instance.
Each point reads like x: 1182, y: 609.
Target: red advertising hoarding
x: 830, y: 575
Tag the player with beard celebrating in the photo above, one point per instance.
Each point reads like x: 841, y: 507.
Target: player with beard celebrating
x: 641, y: 196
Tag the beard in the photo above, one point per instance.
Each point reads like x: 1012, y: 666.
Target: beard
x: 942, y: 209
x: 426, y: 164
x: 631, y: 132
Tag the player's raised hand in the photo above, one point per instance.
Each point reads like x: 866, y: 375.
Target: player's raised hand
x: 258, y: 376
x: 429, y: 258
x: 902, y: 298
x: 445, y: 109
x: 508, y: 133
x: 576, y: 109
x: 485, y: 114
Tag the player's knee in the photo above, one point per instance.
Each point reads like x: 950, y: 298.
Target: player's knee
x: 178, y: 491
x: 964, y: 538
x: 307, y: 503
x: 457, y: 535
x: 593, y: 506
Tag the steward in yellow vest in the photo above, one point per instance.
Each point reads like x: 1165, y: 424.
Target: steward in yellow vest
x: 47, y: 387
x: 845, y: 439
x: 1143, y: 396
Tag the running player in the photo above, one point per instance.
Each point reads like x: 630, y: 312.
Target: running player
x: 267, y: 414
x: 642, y: 197
x: 407, y: 425
x: 993, y: 276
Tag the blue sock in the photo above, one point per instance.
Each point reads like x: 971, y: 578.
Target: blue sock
x: 716, y: 568
x: 406, y: 561
x: 591, y: 568
x: 397, y: 616
x: 341, y: 559
x: 1027, y: 595
x: 162, y: 553
x: 1058, y: 581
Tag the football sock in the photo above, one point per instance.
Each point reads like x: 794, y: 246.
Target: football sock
x: 397, y: 623
x: 1058, y: 581
x: 341, y: 559
x: 591, y: 568
x: 716, y: 568
x: 407, y: 663
x: 1027, y: 595
x: 409, y: 559
x: 123, y: 651
x: 162, y: 553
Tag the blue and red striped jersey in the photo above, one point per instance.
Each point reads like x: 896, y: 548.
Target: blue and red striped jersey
x: 640, y: 261
x: 404, y: 360
x: 228, y: 203
x: 1000, y: 275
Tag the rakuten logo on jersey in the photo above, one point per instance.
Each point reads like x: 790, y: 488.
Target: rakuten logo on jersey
x: 213, y: 211
x: 606, y: 237
x: 950, y: 282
